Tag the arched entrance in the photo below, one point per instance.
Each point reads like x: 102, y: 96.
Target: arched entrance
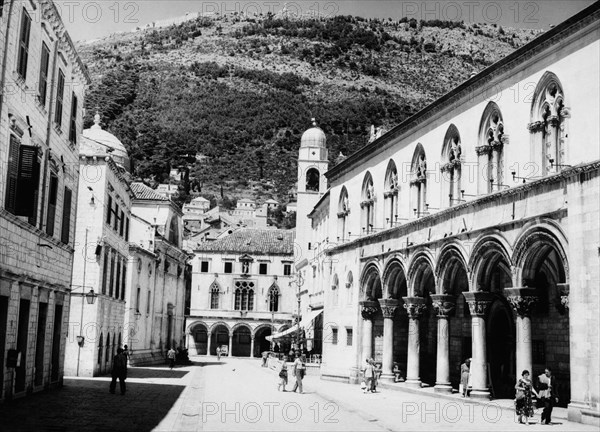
x: 423, y: 285
x: 396, y: 288
x: 261, y: 344
x: 372, y: 291
x: 501, y: 349
x: 219, y: 336
x: 199, y: 332
x: 241, y: 341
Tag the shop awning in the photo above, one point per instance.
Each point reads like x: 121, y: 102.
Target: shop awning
x: 305, y: 323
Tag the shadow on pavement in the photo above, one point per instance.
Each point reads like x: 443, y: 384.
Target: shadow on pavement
x: 133, y: 372
x: 87, y: 405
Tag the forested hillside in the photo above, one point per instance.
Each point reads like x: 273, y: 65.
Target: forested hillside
x: 230, y: 97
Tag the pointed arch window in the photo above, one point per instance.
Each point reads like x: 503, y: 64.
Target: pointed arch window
x: 367, y: 204
x: 107, y: 347
x: 490, y: 151
x: 100, y: 346
x: 349, y: 286
x: 548, y: 125
x: 335, y: 292
x: 215, y: 293
x: 418, y: 183
x: 244, y: 295
x: 451, y: 172
x: 390, y: 196
x: 273, y: 298
x: 343, y: 212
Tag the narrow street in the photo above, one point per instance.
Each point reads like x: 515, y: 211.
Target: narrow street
x: 239, y: 395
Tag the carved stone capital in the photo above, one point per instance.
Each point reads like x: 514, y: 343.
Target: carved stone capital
x: 368, y: 308
x: 415, y: 306
x: 483, y: 150
x: 478, y: 301
x: 443, y: 304
x: 522, y: 300
x: 388, y: 307
x: 563, y: 291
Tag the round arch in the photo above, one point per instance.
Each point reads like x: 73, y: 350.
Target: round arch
x: 199, y: 332
x: 394, y: 280
x: 217, y: 324
x: 420, y: 272
x: 451, y: 255
x: 370, y: 282
x: 489, y: 250
x: 240, y: 325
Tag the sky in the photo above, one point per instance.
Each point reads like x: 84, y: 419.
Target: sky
x: 95, y: 19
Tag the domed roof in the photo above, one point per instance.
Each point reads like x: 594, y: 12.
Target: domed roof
x: 98, y: 142
x: 313, y: 137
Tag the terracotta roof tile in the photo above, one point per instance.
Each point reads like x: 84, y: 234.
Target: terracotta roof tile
x: 253, y: 241
x: 143, y: 192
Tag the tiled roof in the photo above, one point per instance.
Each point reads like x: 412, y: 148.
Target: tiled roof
x: 253, y: 241
x: 143, y: 192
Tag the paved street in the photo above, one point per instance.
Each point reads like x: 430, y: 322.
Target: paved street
x: 239, y: 395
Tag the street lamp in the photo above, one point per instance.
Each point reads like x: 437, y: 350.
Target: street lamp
x: 299, y: 281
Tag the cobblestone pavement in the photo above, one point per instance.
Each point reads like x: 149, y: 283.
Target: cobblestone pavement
x: 239, y: 395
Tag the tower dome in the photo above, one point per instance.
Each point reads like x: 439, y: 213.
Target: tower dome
x: 98, y: 142
x: 313, y: 137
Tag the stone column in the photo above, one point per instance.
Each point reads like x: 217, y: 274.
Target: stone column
x: 251, y: 346
x: 523, y: 301
x: 415, y: 306
x: 388, y: 308
x: 368, y: 308
x: 479, y: 302
x: 230, y: 345
x: 209, y: 334
x: 444, y: 305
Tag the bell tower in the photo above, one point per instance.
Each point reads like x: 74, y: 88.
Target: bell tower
x: 312, y: 164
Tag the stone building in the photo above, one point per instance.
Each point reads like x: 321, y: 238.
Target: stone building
x: 156, y: 284
x: 43, y: 84
x: 103, y: 227
x: 241, y: 291
x: 472, y: 230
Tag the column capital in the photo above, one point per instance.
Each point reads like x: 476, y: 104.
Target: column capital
x: 368, y: 308
x: 415, y: 306
x: 443, y: 304
x: 478, y: 301
x: 563, y: 292
x: 388, y: 307
x: 521, y: 299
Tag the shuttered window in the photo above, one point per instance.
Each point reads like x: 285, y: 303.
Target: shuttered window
x: 122, y: 224
x: 24, y: 44
x: 73, y: 120
x: 66, y: 217
x: 60, y: 91
x: 22, y: 180
x: 109, y: 210
x: 43, y: 85
x: 105, y: 269
x: 52, y: 198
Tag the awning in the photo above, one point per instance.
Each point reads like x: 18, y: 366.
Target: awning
x: 305, y: 323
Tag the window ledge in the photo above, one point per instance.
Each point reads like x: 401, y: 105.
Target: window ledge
x: 57, y: 128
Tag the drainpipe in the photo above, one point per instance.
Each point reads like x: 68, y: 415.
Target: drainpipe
x: 48, y: 132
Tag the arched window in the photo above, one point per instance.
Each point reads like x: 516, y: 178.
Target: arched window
x: 343, y: 212
x: 312, y: 180
x: 367, y: 204
x: 390, y: 195
x: 418, y: 183
x: 335, y: 292
x: 349, y: 287
x: 174, y: 232
x: 244, y: 295
x: 273, y: 298
x: 100, y: 348
x: 451, y: 153
x: 215, y: 292
x: 490, y: 151
x: 548, y: 123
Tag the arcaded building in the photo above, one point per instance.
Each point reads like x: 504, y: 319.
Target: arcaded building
x: 472, y: 230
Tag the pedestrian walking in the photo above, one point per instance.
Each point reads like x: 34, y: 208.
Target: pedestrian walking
x: 465, y: 371
x: 548, y: 394
x: 265, y: 357
x: 119, y: 371
x: 368, y: 373
x: 171, y: 357
x: 523, y: 397
x: 219, y: 353
x: 377, y: 368
x: 126, y: 352
x: 298, y: 371
x: 283, y: 374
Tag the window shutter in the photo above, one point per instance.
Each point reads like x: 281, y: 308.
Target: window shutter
x: 109, y: 210
x: 73, y: 123
x: 12, y: 175
x: 52, y: 199
x: 27, y: 181
x: 24, y: 44
x: 66, y: 217
x: 59, y: 98
x: 43, y: 86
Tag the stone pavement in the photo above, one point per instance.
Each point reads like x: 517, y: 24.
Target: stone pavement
x: 239, y: 395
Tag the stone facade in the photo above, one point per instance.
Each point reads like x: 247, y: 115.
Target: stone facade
x: 479, y: 217
x: 39, y: 183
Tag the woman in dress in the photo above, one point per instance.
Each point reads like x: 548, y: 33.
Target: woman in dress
x: 523, y: 402
x: 465, y: 370
x: 283, y: 374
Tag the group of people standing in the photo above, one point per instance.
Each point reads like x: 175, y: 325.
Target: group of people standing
x: 298, y: 372
x: 371, y: 374
x: 546, y: 393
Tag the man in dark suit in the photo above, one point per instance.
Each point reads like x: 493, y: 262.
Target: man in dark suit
x: 546, y: 384
x: 119, y: 370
